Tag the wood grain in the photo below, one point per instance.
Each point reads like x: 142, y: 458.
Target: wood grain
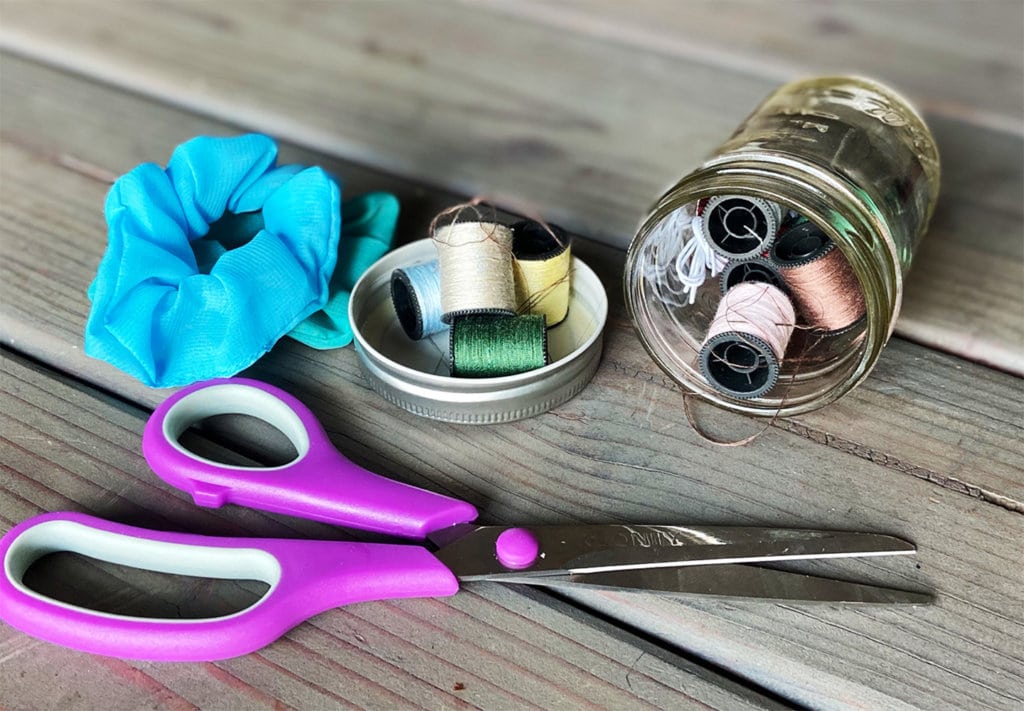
x: 67, y: 447
x: 949, y: 56
x: 591, y: 143
x: 598, y: 458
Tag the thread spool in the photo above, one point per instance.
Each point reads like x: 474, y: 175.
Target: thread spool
x: 825, y: 291
x: 740, y: 227
x: 756, y: 270
x: 747, y: 340
x: 801, y: 242
x: 476, y: 269
x: 416, y: 296
x: 494, y: 346
x: 543, y: 260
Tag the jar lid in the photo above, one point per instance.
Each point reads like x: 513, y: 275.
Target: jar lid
x: 414, y: 374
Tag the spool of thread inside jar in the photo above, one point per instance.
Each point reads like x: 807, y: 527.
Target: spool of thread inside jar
x: 476, y: 269
x: 825, y: 291
x: 740, y: 227
x: 755, y: 270
x: 541, y: 270
x: 746, y: 341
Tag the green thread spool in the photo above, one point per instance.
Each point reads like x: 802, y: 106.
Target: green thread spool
x: 493, y: 346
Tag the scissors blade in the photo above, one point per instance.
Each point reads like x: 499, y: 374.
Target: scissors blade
x: 602, y: 548
x: 738, y: 581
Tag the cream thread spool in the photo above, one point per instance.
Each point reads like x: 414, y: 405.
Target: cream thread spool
x: 542, y: 270
x: 825, y: 291
x: 745, y: 344
x: 475, y: 260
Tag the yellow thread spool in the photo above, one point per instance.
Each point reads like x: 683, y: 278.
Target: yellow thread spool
x: 542, y: 269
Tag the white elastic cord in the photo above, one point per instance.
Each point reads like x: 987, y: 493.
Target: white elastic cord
x: 696, y: 260
x: 679, y: 245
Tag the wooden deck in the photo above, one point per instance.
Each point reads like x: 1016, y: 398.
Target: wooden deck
x: 580, y: 111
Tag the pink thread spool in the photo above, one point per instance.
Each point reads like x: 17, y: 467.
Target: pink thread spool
x: 747, y: 339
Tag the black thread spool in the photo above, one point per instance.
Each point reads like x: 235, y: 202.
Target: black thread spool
x: 802, y: 243
x: 742, y: 366
x: 740, y: 227
x: 756, y: 270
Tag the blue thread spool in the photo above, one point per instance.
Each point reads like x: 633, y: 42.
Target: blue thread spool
x: 416, y: 295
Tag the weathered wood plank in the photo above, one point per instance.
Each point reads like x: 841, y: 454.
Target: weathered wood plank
x: 620, y: 451
x: 55, y: 149
x: 69, y: 447
x: 589, y: 145
x: 953, y: 58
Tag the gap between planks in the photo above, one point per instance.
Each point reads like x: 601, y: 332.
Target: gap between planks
x: 875, y: 456
x: 707, y: 33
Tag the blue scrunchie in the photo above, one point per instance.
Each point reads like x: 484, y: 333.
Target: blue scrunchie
x: 170, y: 314
x: 368, y: 226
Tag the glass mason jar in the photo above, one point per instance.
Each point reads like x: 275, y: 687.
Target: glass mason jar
x: 853, y: 158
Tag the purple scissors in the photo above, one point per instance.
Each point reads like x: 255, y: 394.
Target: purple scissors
x: 306, y: 578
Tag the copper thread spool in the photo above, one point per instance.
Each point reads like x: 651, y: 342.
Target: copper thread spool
x: 825, y: 291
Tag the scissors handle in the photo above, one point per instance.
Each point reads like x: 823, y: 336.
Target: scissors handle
x: 320, y: 484
x: 305, y: 579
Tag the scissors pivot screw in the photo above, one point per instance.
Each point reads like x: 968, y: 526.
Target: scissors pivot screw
x: 517, y: 548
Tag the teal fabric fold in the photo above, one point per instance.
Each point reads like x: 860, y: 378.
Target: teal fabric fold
x: 171, y: 305
x: 368, y: 227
